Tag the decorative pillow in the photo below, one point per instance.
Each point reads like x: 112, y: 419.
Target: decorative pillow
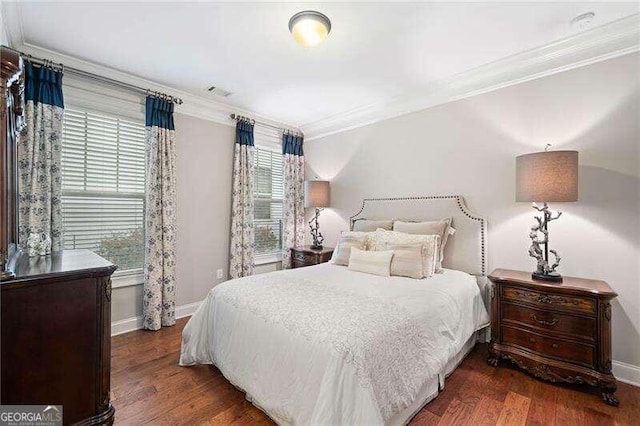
x: 346, y: 241
x: 438, y: 227
x: 430, y: 243
x: 407, y: 260
x: 371, y: 262
x: 366, y: 225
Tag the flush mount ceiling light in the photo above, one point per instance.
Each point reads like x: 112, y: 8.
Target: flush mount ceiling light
x: 309, y: 28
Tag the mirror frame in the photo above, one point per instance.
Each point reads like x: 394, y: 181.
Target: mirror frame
x: 11, y: 123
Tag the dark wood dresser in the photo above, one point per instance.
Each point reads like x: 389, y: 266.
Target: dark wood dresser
x: 560, y: 332
x: 56, y: 335
x: 306, y: 256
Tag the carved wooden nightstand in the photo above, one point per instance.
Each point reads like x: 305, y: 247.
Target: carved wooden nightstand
x: 560, y: 332
x: 306, y: 256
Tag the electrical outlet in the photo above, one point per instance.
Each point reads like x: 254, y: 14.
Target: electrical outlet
x: 219, y: 274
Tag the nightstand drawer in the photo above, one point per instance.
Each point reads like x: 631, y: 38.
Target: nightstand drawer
x: 573, y: 303
x: 557, y: 348
x: 298, y: 264
x: 577, y: 326
x: 306, y: 258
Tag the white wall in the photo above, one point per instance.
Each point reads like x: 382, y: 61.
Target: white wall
x: 468, y: 147
x: 205, y: 162
x: 4, y: 38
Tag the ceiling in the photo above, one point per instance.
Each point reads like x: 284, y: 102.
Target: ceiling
x: 375, y: 52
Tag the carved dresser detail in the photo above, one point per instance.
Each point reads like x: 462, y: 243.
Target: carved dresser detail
x: 560, y: 332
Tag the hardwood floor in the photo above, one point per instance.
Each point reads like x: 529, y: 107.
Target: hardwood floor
x: 148, y: 387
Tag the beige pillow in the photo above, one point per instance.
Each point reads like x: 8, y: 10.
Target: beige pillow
x: 430, y: 243
x: 407, y: 260
x: 371, y: 262
x: 347, y: 240
x: 365, y: 225
x: 438, y: 227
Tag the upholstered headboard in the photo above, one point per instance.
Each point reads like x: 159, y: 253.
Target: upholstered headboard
x: 465, y: 250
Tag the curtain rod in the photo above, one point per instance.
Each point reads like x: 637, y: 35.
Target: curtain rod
x: 284, y: 130
x: 97, y: 77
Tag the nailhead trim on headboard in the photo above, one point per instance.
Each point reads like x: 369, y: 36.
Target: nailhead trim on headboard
x: 461, y: 206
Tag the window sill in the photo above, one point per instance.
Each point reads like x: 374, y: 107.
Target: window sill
x: 264, y: 259
x: 127, y: 280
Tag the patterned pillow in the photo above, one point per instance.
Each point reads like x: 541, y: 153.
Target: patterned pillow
x: 407, y: 260
x: 366, y: 225
x: 438, y: 227
x: 348, y: 240
x: 371, y: 262
x: 430, y: 243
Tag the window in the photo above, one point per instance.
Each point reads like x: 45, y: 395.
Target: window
x: 268, y: 195
x: 103, y: 187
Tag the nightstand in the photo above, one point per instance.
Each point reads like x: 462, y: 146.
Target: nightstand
x: 560, y: 332
x: 306, y: 256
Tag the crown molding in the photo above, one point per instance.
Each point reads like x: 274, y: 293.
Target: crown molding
x: 598, y: 44
x: 193, y: 105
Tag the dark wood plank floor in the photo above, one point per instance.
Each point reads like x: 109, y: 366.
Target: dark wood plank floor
x: 148, y: 386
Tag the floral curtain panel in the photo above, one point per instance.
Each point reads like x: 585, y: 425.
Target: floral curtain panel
x: 159, y: 295
x: 40, y: 156
x: 241, y: 256
x: 293, y: 214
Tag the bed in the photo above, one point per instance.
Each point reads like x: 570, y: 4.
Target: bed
x: 328, y: 345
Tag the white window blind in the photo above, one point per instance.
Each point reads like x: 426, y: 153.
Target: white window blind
x: 268, y: 194
x: 103, y: 186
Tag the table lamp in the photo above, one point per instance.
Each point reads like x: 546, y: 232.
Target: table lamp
x: 549, y: 176
x: 316, y: 194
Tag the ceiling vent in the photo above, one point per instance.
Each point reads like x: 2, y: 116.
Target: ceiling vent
x: 582, y: 22
x: 219, y: 91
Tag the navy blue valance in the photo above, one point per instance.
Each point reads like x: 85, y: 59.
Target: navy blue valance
x: 292, y: 144
x: 244, y: 133
x: 159, y: 112
x: 43, y: 85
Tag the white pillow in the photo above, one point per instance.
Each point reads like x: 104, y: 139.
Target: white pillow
x: 367, y: 238
x: 430, y: 246
x: 371, y: 262
x: 346, y: 242
x: 437, y: 227
x: 407, y: 260
x: 366, y: 225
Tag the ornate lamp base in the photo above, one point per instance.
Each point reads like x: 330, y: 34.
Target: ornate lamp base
x: 552, y: 277
x: 544, y: 271
x: 315, y: 231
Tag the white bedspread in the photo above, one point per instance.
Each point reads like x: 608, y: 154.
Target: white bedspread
x: 326, y: 345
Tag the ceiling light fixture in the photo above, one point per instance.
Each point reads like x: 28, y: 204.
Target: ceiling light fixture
x: 309, y: 28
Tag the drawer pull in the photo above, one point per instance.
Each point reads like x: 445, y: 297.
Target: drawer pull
x: 532, y: 340
x: 543, y: 322
x: 544, y: 299
x: 554, y: 346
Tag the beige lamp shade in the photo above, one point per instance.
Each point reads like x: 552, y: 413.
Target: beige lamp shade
x: 316, y: 193
x: 550, y: 176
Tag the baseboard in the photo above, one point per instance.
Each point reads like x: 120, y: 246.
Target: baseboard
x: 135, y: 323
x: 626, y: 373
x: 126, y: 325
